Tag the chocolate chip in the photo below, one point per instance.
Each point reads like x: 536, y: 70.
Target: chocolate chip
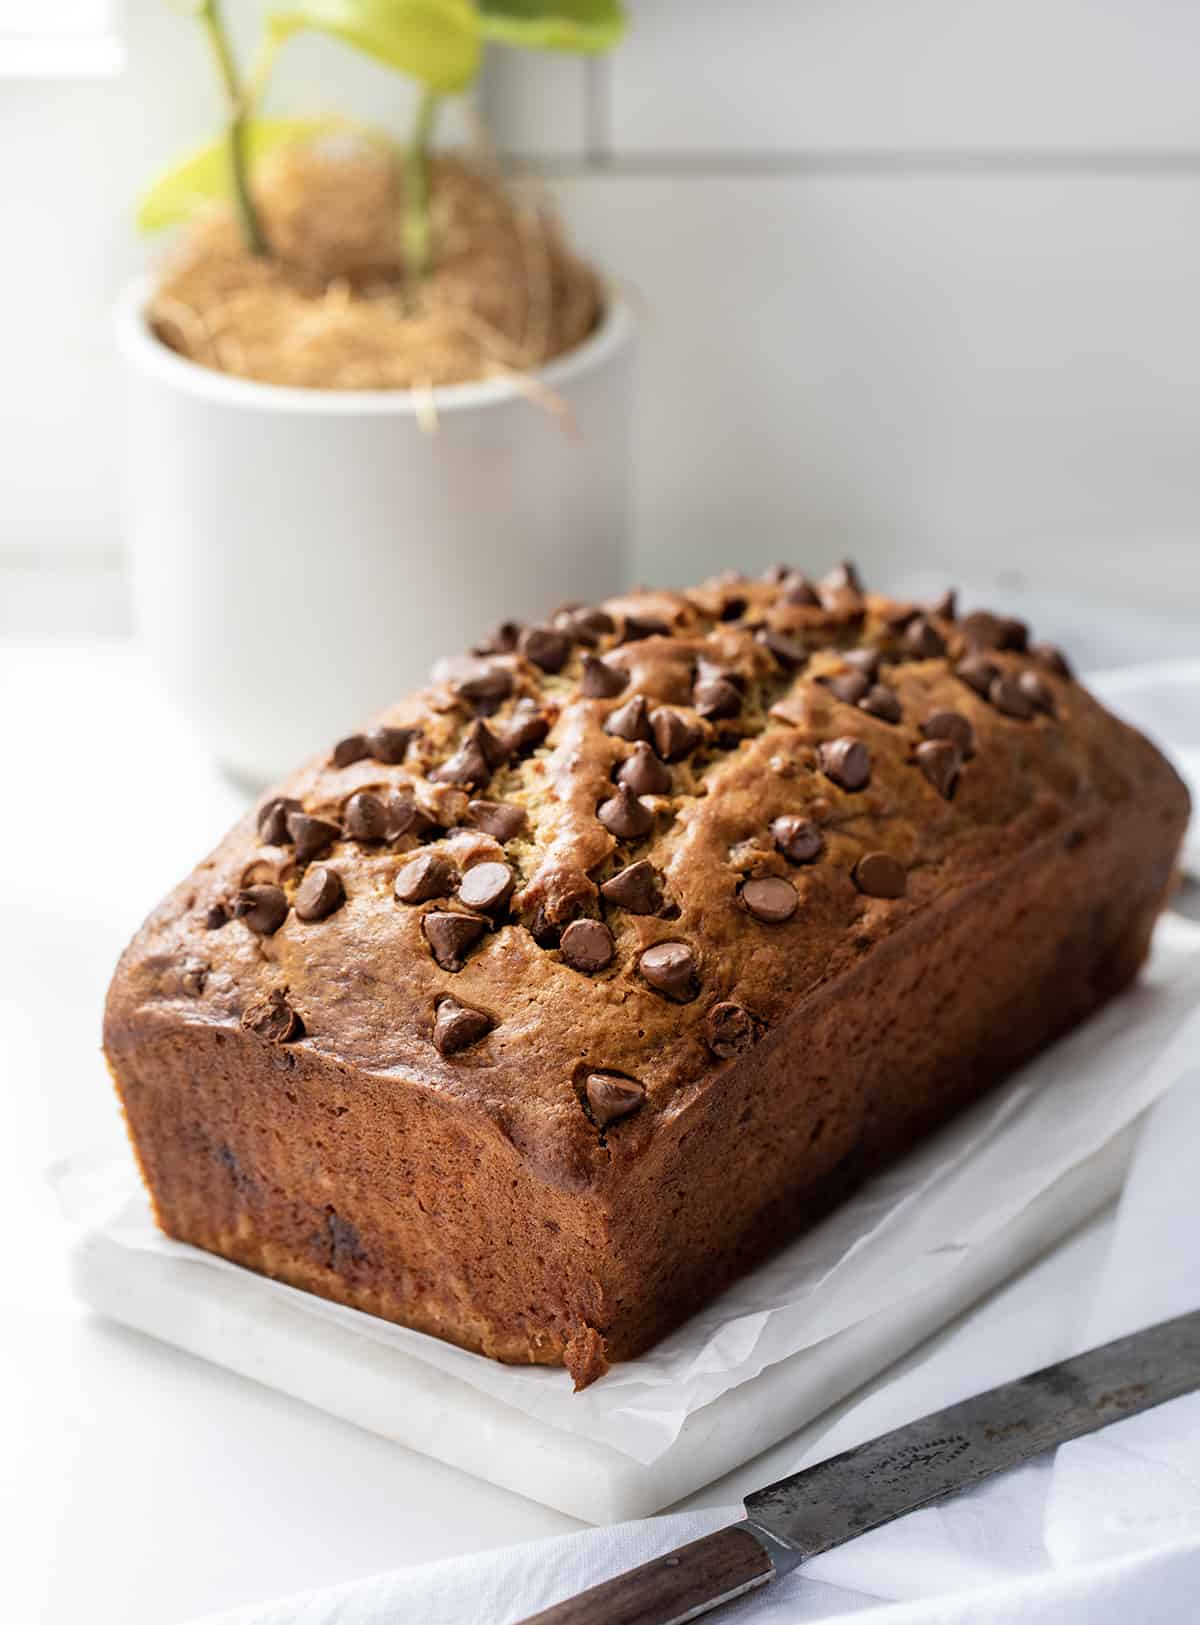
x: 481, y: 683
x: 423, y: 877
x: 864, y: 660
x: 732, y: 609
x: 262, y: 908
x: 729, y: 1029
x: 941, y: 762
x: 1007, y: 696
x: 389, y: 744
x: 634, y: 889
x: 922, y: 639
x: 981, y: 630
x: 716, y: 697
x: 272, y: 820
x: 799, y: 590
x: 1053, y: 659
x: 457, y: 1026
x: 1036, y: 692
x: 587, y: 945
x: 501, y: 640
x: 547, y: 926
x: 985, y: 631
x: 977, y: 673
x: 850, y: 687
x: 840, y: 592
x: 215, y: 916
x: 366, y: 816
x: 320, y: 893
x: 881, y: 702
x: 600, y: 681
x: 311, y: 835
x: 450, y: 936
x: 495, y: 747
x: 877, y: 874
x: 546, y: 647
x: 770, y: 899
x: 476, y: 759
x: 404, y: 817
x: 798, y: 839
x: 486, y: 886
x: 637, y: 627
x: 499, y: 819
x: 631, y: 721
x: 624, y: 816
x: 789, y: 652
x: 847, y: 762
x: 273, y: 1018
x: 644, y: 773
x: 584, y: 624
x: 843, y: 577
x: 670, y: 968
x: 526, y: 727
x: 946, y: 606
x: 951, y: 725
x: 674, y: 736
x: 351, y: 749
x: 610, y: 1096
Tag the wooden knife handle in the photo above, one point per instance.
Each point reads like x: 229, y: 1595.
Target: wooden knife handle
x: 682, y: 1585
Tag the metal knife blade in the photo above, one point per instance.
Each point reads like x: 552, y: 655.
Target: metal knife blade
x: 912, y: 1467
x: 835, y: 1500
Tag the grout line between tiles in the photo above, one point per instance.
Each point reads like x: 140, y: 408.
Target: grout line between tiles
x: 597, y: 114
x: 867, y: 164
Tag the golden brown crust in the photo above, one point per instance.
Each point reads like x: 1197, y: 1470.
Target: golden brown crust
x: 727, y: 709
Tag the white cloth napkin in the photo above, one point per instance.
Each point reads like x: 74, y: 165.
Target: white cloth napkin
x: 1108, y: 1530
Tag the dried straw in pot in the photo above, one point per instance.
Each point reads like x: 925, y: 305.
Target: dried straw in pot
x: 333, y: 306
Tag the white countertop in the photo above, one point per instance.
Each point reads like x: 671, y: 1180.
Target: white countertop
x: 139, y: 1486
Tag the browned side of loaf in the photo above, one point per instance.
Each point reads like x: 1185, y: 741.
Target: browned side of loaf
x: 877, y: 1059
x: 368, y: 1190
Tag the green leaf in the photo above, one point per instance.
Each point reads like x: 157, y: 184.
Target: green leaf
x: 203, y: 176
x: 435, y: 41
x: 553, y: 25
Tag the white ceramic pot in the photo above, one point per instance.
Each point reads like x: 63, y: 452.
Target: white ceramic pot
x: 301, y: 557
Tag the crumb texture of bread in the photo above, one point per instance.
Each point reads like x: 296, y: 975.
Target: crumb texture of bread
x: 542, y: 1009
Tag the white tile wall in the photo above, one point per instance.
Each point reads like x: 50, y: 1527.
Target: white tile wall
x: 921, y: 279
x: 880, y: 76
x: 540, y: 103
x: 1002, y: 374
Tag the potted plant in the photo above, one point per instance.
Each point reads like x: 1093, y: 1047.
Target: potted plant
x: 374, y: 400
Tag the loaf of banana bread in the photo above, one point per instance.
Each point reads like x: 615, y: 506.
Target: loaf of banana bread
x: 535, y: 1013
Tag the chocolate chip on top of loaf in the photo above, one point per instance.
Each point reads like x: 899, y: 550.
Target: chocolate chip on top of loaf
x: 607, y: 861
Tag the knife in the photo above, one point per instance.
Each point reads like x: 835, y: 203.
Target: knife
x: 912, y: 1467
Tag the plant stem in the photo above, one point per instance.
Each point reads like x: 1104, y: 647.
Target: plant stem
x: 251, y: 227
x: 261, y: 65
x: 416, y: 185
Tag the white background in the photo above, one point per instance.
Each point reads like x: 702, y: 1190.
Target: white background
x: 917, y: 279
